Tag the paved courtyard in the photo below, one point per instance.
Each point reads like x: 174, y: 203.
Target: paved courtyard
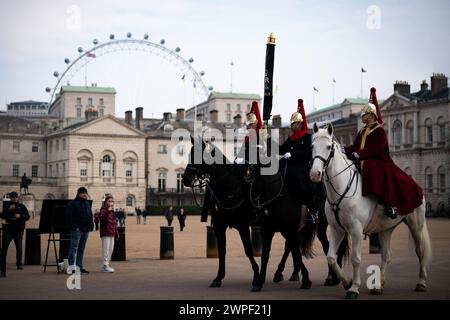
x: 145, y: 276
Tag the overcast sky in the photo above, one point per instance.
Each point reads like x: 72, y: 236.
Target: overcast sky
x: 315, y: 42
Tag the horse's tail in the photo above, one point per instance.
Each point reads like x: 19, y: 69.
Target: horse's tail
x: 306, y: 238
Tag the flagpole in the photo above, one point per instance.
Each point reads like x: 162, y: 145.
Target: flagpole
x: 362, y: 83
x: 85, y: 74
x: 334, y: 82
x: 314, y: 105
x: 231, y: 76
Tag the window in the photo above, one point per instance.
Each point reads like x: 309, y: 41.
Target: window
x: 180, y: 150
x: 162, y: 148
x: 83, y: 169
x: 15, y: 170
x: 228, y: 107
x: 101, y: 112
x: 102, y: 102
x: 248, y: 108
x: 441, y: 175
x: 63, y: 172
x: 180, y: 185
x: 441, y: 125
x: 429, y: 131
x: 79, y: 101
x: 128, y: 169
x: 78, y: 112
x: 397, y: 131
x: 50, y: 146
x: 409, y: 132
x: 57, y: 145
x: 162, y: 176
x: 35, y: 147
x: 64, y: 144
x: 34, y: 171
x: 90, y: 102
x: 16, y: 146
x: 228, y: 117
x: 50, y: 170
x: 129, y: 201
x: 238, y: 108
x: 57, y: 170
x: 106, y: 167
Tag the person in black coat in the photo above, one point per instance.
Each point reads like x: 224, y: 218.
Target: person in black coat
x: 79, y: 218
x: 182, y: 218
x: 297, y: 154
x: 15, y: 215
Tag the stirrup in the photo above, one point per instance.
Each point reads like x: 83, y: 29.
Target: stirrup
x: 313, y: 218
x: 391, y: 212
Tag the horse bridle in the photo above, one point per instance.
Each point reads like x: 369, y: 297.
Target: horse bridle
x: 335, y: 205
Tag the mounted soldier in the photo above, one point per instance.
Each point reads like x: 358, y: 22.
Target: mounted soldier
x: 380, y: 176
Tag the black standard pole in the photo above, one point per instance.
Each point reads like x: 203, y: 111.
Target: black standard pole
x: 211, y: 243
x: 32, y: 247
x: 119, y: 252
x: 256, y: 241
x: 268, y: 78
x: 166, y: 250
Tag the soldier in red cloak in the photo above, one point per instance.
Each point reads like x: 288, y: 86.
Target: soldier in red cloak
x: 380, y: 176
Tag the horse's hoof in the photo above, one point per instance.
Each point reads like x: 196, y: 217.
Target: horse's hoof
x: 278, y: 277
x: 294, y: 277
x: 256, y: 288
x: 351, y: 295
x: 376, y: 292
x: 420, y: 288
x: 348, y: 286
x: 216, y: 284
x: 331, y: 282
x: 306, y: 284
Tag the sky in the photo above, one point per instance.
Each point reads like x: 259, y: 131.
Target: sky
x: 316, y: 42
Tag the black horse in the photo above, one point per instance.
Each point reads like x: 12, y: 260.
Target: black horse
x: 230, y: 205
x: 282, y: 212
x: 332, y: 279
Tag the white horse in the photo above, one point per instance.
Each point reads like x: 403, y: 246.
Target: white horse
x: 347, y: 211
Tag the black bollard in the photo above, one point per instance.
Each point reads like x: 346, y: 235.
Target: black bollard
x: 256, y: 241
x: 64, y: 243
x: 119, y: 252
x: 211, y: 243
x: 32, y: 247
x: 374, y: 243
x: 166, y: 250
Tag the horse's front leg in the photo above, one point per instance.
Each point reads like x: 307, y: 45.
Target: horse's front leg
x: 220, y: 232
x: 298, y: 263
x: 336, y: 236
x: 267, y: 244
x: 244, y: 232
x: 357, y: 235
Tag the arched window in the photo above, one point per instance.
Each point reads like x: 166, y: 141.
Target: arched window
x: 441, y: 179
x: 409, y: 132
x: 429, y: 179
x: 397, y: 132
x: 428, y: 131
x: 106, y: 167
x: 180, y: 185
x: 162, y: 177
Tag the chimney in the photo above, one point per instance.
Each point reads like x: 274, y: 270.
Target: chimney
x: 138, y: 123
x: 424, y: 85
x: 402, y: 87
x: 167, y: 116
x: 180, y: 114
x: 91, y: 114
x: 214, y: 115
x: 237, y: 120
x: 199, y: 116
x: 128, y: 116
x: 276, y: 121
x: 439, y: 82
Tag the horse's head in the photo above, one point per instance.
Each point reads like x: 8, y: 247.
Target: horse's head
x: 322, y: 152
x: 195, y: 169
